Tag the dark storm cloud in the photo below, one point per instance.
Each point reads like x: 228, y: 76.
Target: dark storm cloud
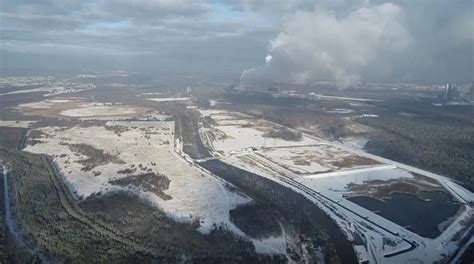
x: 306, y: 39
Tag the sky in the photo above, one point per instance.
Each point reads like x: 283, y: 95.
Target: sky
x: 248, y: 40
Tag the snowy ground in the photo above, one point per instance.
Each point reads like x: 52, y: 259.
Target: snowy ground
x: 314, y: 159
x: 247, y: 137
x: 80, y: 108
x: 242, y: 131
x: 103, y: 110
x: 56, y: 89
x: 245, y: 147
x: 169, y: 99
x: 149, y: 143
x: 46, y: 104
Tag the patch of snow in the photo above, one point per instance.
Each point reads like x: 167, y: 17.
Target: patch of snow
x: 169, y: 99
x: 99, y: 111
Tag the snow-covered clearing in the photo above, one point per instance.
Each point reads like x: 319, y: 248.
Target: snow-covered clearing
x: 193, y: 192
x: 46, y: 104
x: 315, y: 158
x: 99, y: 111
x: 56, y: 89
x: 251, y: 137
x: 80, y: 108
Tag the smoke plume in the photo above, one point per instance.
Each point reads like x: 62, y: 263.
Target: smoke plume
x: 318, y: 45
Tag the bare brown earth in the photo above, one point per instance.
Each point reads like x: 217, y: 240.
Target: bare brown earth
x: 354, y: 160
x: 378, y: 189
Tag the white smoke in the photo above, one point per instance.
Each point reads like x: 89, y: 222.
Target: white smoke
x: 319, y: 45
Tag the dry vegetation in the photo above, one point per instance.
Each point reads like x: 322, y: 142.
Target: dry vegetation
x: 117, y: 129
x: 284, y: 133
x: 149, y: 182
x: 95, y: 157
x: 354, y: 160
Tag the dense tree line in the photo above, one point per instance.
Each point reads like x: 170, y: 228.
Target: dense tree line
x: 444, y: 148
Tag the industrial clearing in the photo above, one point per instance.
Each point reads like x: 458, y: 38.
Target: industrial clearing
x: 380, y: 205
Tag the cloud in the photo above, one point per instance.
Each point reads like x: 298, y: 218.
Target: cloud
x: 318, y: 45
x: 292, y: 39
x: 348, y: 41
x: 151, y: 11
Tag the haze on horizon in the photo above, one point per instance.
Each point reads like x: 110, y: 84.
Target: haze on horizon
x: 256, y: 40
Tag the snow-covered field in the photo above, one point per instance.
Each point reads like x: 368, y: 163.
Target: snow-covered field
x: 80, y: 108
x: 46, y: 104
x: 315, y: 158
x: 248, y: 137
x: 56, y: 89
x: 193, y: 192
x: 102, y: 110
x: 242, y: 132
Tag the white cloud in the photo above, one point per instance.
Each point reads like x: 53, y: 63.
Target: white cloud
x: 318, y: 44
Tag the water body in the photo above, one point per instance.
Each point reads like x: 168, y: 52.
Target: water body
x: 421, y: 214
x: 202, y: 150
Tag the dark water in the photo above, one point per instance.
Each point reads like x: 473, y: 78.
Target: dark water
x: 419, y: 214
x: 202, y: 150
